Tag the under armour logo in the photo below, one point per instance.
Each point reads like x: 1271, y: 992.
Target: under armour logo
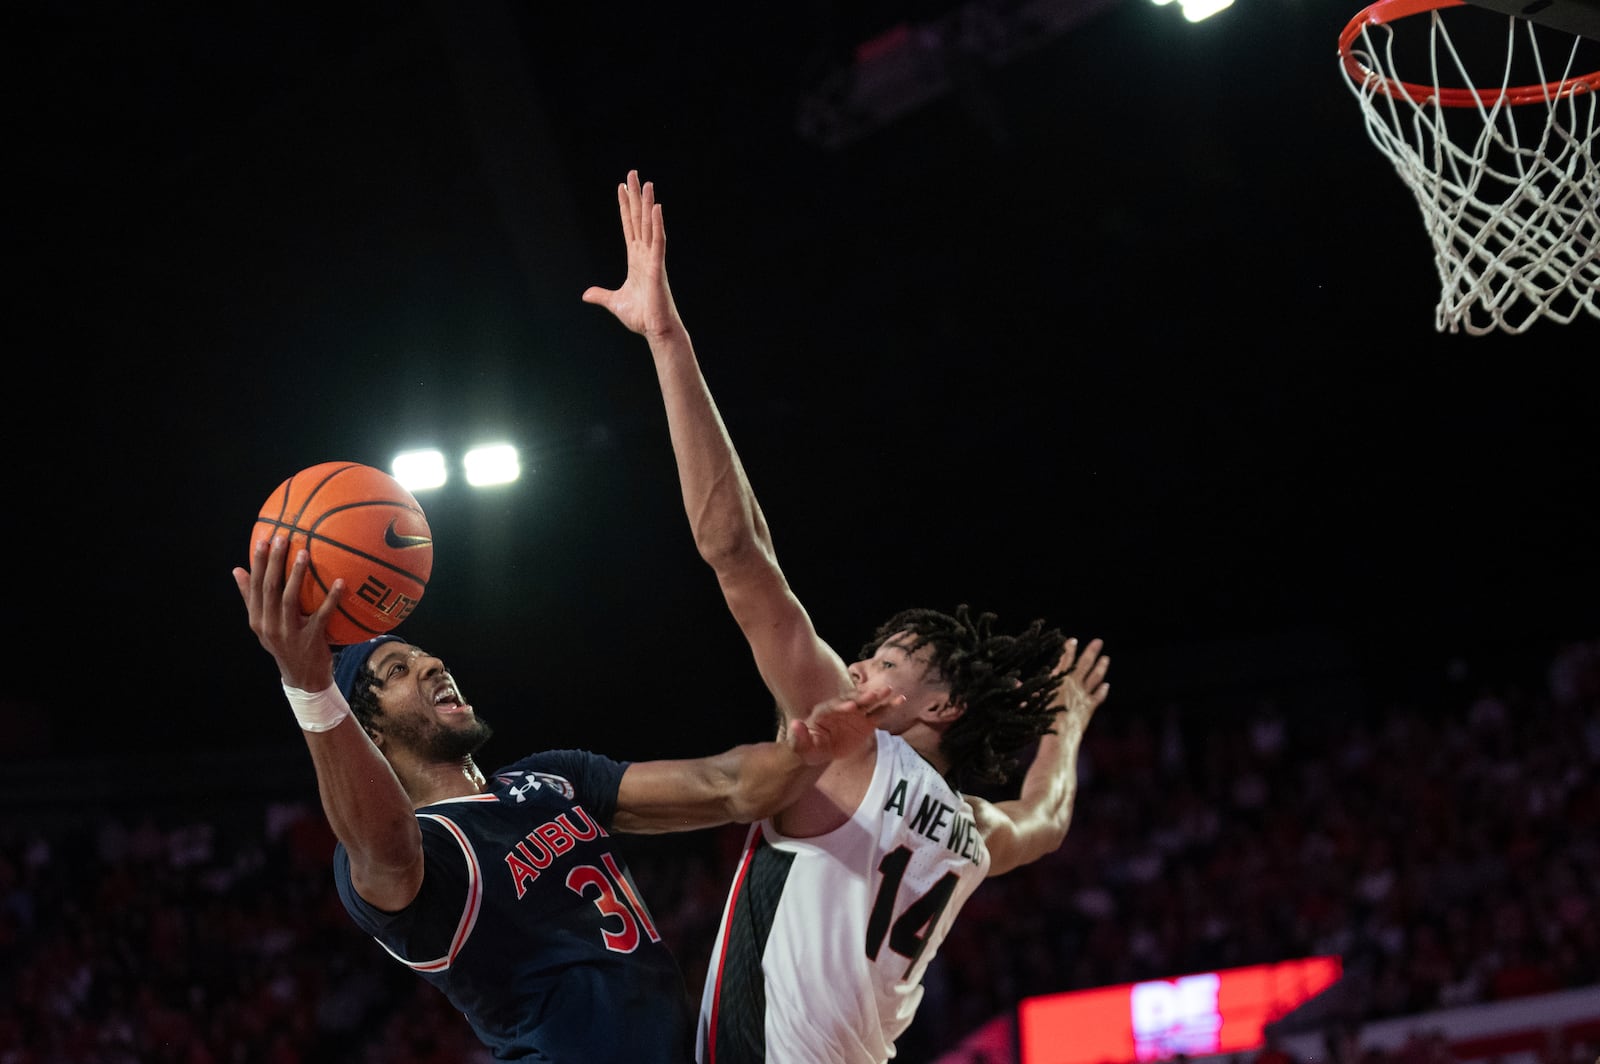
x: 532, y: 781
x: 518, y: 790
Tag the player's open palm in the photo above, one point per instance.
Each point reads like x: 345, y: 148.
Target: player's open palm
x: 644, y: 302
x: 1083, y: 681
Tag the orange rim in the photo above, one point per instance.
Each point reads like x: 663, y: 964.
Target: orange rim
x: 1386, y: 11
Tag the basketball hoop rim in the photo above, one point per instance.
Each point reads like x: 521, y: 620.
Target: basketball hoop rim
x: 1386, y: 11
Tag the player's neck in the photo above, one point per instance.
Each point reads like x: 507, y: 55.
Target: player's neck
x: 439, y: 781
x: 925, y: 741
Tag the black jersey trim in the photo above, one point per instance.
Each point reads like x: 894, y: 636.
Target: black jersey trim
x: 739, y: 1014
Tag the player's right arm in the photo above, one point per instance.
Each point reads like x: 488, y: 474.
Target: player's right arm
x: 366, y: 807
x: 748, y: 782
x: 729, y: 528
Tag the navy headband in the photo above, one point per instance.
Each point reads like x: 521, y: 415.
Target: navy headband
x: 352, y: 660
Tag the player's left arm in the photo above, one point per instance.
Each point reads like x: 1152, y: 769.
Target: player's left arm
x: 1035, y: 823
x: 729, y: 529
x: 748, y: 782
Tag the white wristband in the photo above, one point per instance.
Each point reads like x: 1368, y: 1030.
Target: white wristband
x: 318, y: 711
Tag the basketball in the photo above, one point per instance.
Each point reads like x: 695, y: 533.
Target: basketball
x: 359, y: 524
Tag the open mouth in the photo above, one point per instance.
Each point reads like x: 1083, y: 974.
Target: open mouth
x: 448, y: 700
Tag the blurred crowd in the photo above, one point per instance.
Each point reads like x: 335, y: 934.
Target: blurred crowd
x: 1444, y: 840
x: 1446, y: 845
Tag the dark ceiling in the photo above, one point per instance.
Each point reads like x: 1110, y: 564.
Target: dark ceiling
x: 1121, y: 321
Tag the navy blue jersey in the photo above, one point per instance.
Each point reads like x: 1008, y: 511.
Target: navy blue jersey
x: 529, y: 921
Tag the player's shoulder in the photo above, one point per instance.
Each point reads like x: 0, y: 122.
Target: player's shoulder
x: 903, y: 758
x: 905, y: 774
x: 570, y: 764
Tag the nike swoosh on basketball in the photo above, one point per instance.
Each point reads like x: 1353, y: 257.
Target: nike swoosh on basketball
x: 400, y: 541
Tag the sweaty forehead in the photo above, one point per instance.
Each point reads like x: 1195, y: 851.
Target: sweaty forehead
x: 390, y: 652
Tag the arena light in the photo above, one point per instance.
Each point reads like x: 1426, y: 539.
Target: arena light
x: 1197, y: 10
x: 1197, y: 1015
x: 419, y: 470
x: 491, y: 464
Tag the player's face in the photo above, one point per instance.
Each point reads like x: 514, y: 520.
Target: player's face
x: 909, y: 674
x: 421, y: 703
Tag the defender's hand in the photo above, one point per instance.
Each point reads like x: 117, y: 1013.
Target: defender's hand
x: 644, y: 302
x: 839, y: 727
x: 1083, y: 681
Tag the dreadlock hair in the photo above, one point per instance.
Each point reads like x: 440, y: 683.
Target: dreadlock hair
x: 363, y: 700
x: 1004, y: 682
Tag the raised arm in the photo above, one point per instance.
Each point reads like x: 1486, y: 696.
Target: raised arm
x: 1035, y: 823
x: 748, y: 782
x: 729, y: 528
x: 366, y: 807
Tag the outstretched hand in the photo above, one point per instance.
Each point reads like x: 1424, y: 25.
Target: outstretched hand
x: 840, y: 726
x: 297, y: 640
x: 1083, y: 682
x: 644, y: 302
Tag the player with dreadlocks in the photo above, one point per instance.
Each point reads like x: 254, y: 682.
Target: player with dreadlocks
x: 841, y: 900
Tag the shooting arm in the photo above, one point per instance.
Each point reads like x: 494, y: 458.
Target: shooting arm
x: 370, y: 813
x: 366, y: 807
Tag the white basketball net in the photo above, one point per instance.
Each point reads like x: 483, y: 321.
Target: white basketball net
x: 1509, y: 193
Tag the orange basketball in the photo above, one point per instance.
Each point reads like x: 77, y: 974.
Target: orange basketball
x: 358, y: 523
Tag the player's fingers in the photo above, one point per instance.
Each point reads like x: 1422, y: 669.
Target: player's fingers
x: 630, y: 224
x: 890, y: 698
x: 886, y: 699
x: 289, y: 601
x: 319, y: 621
x: 272, y: 572
x: 801, y: 738
x: 635, y: 206
x: 1100, y: 668
x: 259, y: 554
x: 258, y: 568
x: 844, y: 703
x: 1069, y: 655
x: 863, y: 700
x: 649, y: 214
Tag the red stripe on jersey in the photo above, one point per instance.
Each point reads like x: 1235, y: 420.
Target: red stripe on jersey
x: 633, y: 899
x: 727, y: 929
x: 469, y: 914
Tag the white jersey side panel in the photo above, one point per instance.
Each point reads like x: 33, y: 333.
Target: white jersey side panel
x: 844, y: 924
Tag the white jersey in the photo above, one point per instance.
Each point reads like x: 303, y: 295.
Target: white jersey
x: 824, y: 940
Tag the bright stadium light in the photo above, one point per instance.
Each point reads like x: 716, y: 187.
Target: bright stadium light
x: 419, y: 470
x: 1197, y: 10
x: 491, y: 464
